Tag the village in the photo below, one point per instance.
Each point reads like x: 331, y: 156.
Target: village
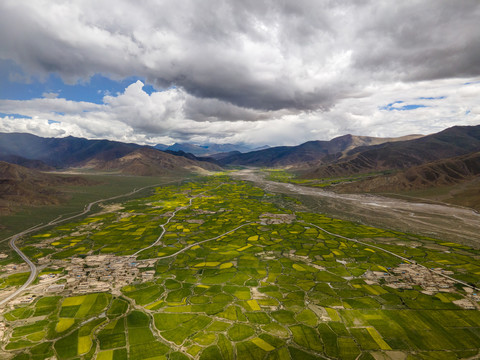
x: 82, y: 275
x: 98, y: 273
x: 102, y: 273
x: 432, y: 281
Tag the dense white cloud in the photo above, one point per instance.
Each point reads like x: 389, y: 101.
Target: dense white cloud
x: 247, y: 71
x: 167, y: 116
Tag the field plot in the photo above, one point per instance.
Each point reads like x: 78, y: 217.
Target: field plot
x: 232, y: 272
x: 142, y: 343
x: 13, y: 280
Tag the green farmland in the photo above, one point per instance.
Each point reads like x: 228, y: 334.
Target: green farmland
x: 221, y: 269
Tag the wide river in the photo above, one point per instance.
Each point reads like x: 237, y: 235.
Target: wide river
x: 441, y: 221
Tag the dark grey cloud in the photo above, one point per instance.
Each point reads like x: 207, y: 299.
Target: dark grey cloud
x: 245, y: 60
x: 421, y: 40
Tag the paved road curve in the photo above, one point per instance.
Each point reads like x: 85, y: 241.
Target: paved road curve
x: 33, y: 268
x: 56, y: 221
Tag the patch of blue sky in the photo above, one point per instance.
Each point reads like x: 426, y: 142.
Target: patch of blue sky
x: 16, y: 85
x: 432, y: 98
x: 16, y: 116
x: 50, y: 122
x: 392, y: 106
x: 411, y: 107
x: 395, y: 102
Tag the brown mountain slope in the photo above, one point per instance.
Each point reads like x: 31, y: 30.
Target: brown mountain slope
x: 455, y: 141
x: 309, y: 152
x: 358, y: 141
x: 28, y: 163
x: 61, y: 152
x: 440, y: 173
x: 22, y: 186
x: 151, y: 162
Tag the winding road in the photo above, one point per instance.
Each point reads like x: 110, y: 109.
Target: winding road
x: 56, y: 221
x: 33, y: 268
x: 203, y: 241
x: 402, y: 209
x: 171, y: 217
x: 163, y: 229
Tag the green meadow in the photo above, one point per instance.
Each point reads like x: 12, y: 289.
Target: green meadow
x: 231, y: 282
x: 281, y: 175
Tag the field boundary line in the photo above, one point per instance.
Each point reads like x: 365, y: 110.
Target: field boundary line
x: 398, y: 256
x: 32, y: 266
x: 171, y: 217
x: 203, y: 241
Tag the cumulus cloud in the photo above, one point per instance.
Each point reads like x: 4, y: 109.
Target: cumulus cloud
x: 170, y: 116
x: 244, y: 71
x: 50, y: 95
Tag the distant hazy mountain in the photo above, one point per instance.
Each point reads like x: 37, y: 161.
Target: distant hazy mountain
x: 455, y: 141
x: 151, y: 162
x: 188, y: 148
x: 261, y: 148
x: 311, y: 151
x: 190, y: 156
x: 19, y: 186
x: 161, y: 147
x: 221, y: 156
x: 206, y: 150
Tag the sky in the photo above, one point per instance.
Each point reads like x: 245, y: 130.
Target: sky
x: 251, y: 72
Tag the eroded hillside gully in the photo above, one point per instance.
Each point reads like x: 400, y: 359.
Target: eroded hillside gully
x: 438, y: 220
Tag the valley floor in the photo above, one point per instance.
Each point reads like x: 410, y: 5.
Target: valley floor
x: 218, y: 268
x: 439, y: 220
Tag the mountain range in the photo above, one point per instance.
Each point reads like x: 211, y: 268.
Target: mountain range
x: 311, y: 151
x: 414, y: 162
x: 341, y: 156
x: 209, y: 149
x: 443, y: 172
x: 23, y: 179
x: 60, y: 153
x: 150, y: 162
x: 455, y: 141
x: 448, y: 160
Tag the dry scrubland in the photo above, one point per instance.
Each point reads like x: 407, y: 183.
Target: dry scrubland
x: 237, y: 273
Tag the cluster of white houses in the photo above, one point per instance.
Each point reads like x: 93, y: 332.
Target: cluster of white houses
x: 432, y: 281
x: 104, y: 272
x: 405, y: 276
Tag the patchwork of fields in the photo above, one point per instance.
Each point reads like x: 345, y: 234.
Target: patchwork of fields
x: 243, y: 274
